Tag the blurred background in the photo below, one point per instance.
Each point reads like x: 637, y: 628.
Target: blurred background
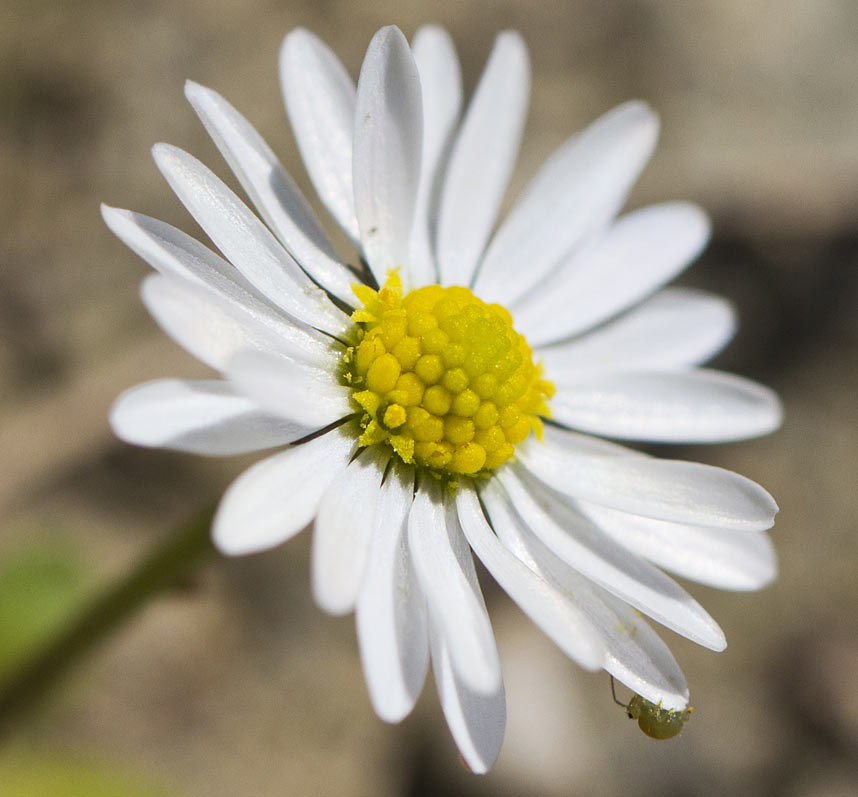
x: 233, y: 682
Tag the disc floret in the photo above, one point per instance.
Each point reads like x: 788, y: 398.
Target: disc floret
x: 442, y: 378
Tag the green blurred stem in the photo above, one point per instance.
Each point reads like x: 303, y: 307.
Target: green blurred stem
x: 162, y: 568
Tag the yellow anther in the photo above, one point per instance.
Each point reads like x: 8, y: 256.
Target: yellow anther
x: 368, y: 400
x: 486, y: 416
x: 416, y: 416
x: 394, y: 416
x: 419, y: 323
x: 434, y: 341
x: 437, y: 400
x: 518, y: 431
x: 407, y: 351
x: 430, y: 430
x: 490, y: 439
x: 442, y: 378
x: 370, y: 349
x: 383, y: 373
x: 455, y: 380
x: 429, y: 368
x: 468, y: 458
x: 509, y: 416
x: 410, y: 386
x: 466, y: 404
x: 453, y: 355
x: 458, y: 430
x: 394, y: 327
x: 496, y: 458
x: 485, y: 385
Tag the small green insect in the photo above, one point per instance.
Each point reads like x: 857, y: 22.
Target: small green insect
x: 655, y: 721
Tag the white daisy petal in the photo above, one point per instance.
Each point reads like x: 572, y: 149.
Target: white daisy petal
x: 685, y: 492
x: 320, y: 101
x: 637, y: 655
x: 639, y: 253
x: 391, y: 619
x: 698, y: 406
x: 676, y: 328
x: 387, y: 149
x: 174, y: 253
x: 723, y: 558
x: 550, y: 609
x: 482, y: 159
x: 277, y: 497
x: 288, y: 389
x: 343, y: 531
x: 246, y: 242
x: 446, y: 575
x: 214, y: 328
x: 441, y: 83
x: 271, y: 190
x: 477, y: 720
x: 578, y: 190
x: 633, y: 652
x: 580, y: 544
x: 199, y: 417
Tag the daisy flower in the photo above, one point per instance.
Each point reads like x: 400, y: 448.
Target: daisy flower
x: 449, y: 395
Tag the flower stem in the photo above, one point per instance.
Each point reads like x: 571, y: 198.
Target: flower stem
x: 162, y: 568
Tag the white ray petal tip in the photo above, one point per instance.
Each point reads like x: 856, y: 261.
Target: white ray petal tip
x: 166, y: 155
x: 434, y: 30
x: 112, y: 215
x: 297, y: 44
x: 697, y: 216
x: 196, y: 92
x: 511, y: 37
x: 717, y: 642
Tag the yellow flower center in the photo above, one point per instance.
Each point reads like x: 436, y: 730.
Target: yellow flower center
x: 442, y: 378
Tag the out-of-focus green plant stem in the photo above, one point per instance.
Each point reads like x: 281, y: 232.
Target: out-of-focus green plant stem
x: 162, y: 568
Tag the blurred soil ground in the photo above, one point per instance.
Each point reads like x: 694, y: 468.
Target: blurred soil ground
x: 235, y: 683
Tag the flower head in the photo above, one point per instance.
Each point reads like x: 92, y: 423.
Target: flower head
x: 443, y: 398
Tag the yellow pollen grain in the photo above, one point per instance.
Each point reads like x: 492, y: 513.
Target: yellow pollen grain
x: 442, y: 378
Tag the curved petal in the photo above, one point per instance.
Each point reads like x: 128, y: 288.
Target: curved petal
x: 343, y: 531
x: 482, y: 159
x: 391, y: 618
x: 476, y: 719
x: 578, y: 190
x: 271, y: 190
x: 230, y: 296
x: 446, y: 575
x: 549, y: 608
x: 199, y: 417
x: 246, y: 242
x: 633, y: 652
x: 277, y: 497
x: 387, y: 149
x: 289, y: 390
x: 320, y: 102
x: 214, y: 328
x: 441, y: 83
x: 675, y: 328
x: 723, y: 558
x: 685, y: 492
x: 639, y: 253
x: 175, y: 254
x: 697, y: 406
x: 582, y: 546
